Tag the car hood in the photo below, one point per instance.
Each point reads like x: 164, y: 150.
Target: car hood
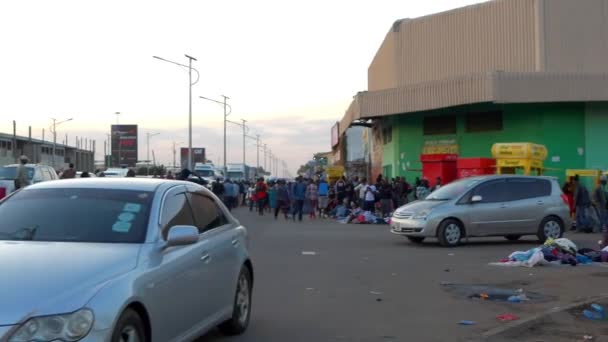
x: 418, y: 206
x: 43, y: 278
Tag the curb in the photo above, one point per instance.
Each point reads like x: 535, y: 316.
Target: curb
x: 533, y: 319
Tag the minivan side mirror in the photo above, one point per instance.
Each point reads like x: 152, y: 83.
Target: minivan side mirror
x: 182, y: 235
x: 476, y: 199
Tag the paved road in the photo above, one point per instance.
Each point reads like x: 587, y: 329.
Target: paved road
x: 365, y: 284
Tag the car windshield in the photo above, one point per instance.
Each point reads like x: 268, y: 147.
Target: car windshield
x: 452, y: 190
x: 76, y: 215
x: 205, y: 173
x: 10, y: 172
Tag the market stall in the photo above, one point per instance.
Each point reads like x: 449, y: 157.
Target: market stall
x: 524, y: 158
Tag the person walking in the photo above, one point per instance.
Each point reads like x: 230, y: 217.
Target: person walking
x: 22, y: 179
x: 130, y: 173
x: 69, y: 173
x: 282, y: 200
x: 438, y: 184
x: 272, y: 196
x: 261, y: 195
x: 231, y: 192
x: 218, y: 189
x: 386, y: 198
x: 312, y: 195
x: 599, y: 201
x: 251, y: 196
x: 299, y: 194
x: 582, y: 202
x: 341, y: 189
x: 169, y: 175
x: 323, y: 193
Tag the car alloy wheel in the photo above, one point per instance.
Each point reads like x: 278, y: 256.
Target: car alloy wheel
x: 452, y: 233
x: 243, y: 299
x: 552, y: 229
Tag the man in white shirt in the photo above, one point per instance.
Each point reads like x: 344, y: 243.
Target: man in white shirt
x: 370, y: 198
x: 361, y: 189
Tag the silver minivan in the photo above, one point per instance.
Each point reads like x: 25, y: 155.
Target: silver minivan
x: 496, y: 205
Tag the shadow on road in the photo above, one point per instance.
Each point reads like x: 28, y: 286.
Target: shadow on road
x: 476, y: 243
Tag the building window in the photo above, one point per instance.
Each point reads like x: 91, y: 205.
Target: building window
x: 484, y: 122
x: 387, y: 135
x: 439, y: 125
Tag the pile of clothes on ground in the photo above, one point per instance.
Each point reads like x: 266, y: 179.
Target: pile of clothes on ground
x: 355, y: 215
x: 555, y: 252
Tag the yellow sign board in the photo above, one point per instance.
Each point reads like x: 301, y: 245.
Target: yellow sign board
x: 583, y: 173
x: 519, y: 151
x: 440, y: 149
x: 334, y: 171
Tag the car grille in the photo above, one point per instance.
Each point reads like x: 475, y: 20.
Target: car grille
x: 403, y: 215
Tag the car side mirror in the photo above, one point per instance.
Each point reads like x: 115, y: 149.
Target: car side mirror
x: 181, y: 236
x: 476, y: 199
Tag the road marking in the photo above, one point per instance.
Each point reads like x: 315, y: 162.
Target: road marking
x: 309, y: 253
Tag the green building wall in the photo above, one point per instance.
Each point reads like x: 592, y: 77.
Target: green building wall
x: 574, y: 134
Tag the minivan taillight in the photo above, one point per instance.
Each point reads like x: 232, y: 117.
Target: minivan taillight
x: 565, y: 199
x: 2, y: 193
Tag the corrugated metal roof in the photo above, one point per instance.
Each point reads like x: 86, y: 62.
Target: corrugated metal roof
x: 497, y: 87
x: 9, y: 137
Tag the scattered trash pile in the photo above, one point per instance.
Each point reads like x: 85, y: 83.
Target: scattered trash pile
x: 555, y: 252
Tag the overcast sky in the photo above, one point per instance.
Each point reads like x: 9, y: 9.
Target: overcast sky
x: 290, y: 68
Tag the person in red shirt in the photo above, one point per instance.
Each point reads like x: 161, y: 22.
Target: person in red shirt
x: 260, y: 195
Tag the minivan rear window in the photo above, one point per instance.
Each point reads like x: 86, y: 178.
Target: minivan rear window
x: 10, y: 172
x: 524, y: 188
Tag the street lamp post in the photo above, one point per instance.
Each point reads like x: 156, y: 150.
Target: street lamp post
x: 190, y: 84
x: 175, y: 143
x: 148, y: 135
x: 54, y: 131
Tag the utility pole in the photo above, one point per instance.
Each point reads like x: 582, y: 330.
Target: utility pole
x: 174, y: 144
x: 257, y: 148
x: 225, y: 117
x: 264, y: 157
x: 244, y: 137
x: 118, y: 138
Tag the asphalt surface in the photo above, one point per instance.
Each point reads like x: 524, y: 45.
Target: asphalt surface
x: 362, y: 283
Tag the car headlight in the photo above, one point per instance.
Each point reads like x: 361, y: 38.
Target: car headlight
x: 68, y: 327
x: 421, y: 215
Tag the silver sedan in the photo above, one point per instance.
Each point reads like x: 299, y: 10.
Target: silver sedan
x: 121, y: 260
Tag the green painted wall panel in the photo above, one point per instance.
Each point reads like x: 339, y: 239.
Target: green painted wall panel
x: 596, y: 130
x: 560, y: 127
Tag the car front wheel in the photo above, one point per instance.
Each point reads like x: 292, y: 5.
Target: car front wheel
x: 550, y: 227
x: 241, y: 312
x: 450, y: 233
x: 130, y: 328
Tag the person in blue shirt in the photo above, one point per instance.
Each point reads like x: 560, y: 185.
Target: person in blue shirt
x: 323, y: 200
x: 299, y: 195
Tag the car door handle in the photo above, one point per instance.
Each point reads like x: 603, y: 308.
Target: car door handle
x: 206, y: 257
x: 540, y: 202
x: 235, y: 242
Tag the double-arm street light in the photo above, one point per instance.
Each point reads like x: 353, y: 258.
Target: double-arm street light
x: 190, y: 84
x: 227, y: 111
x: 54, y: 131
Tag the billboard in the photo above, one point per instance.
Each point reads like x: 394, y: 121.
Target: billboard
x: 198, y: 156
x: 335, y: 135
x: 124, y: 145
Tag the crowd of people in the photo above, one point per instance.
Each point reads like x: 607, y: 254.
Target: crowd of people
x: 590, y: 209
x: 317, y: 198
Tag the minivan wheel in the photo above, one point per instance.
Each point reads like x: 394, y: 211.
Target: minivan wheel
x: 450, y: 233
x: 550, y: 227
x: 241, y: 312
x: 415, y: 239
